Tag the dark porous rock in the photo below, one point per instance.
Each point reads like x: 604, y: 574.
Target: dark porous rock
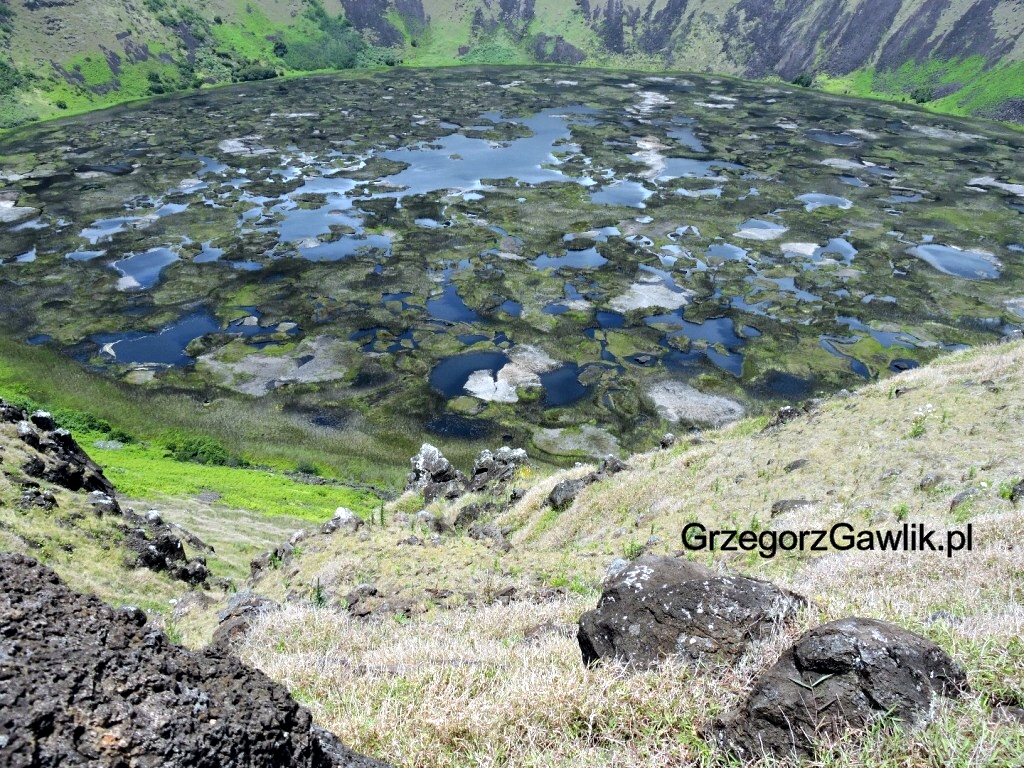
x: 431, y: 468
x: 788, y: 413
x: 667, y: 440
x: 235, y: 620
x: 58, y: 458
x: 664, y: 606
x: 103, y: 504
x: 156, y: 546
x: 612, y: 465
x: 85, y: 684
x: 563, y: 494
x: 962, y: 498
x: 1017, y: 492
x: 43, y: 421
x: 33, y: 497
x: 271, y: 559
x: 930, y: 481
x: 793, y: 466
x: 491, y: 533
x: 434, y: 523
x: 495, y: 468
x: 784, y: 506
x: 468, y: 515
x: 450, y: 490
x: 838, y: 676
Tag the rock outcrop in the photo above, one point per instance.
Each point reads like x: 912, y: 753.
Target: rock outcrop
x: 433, y: 474
x: 664, y: 606
x: 87, y: 684
x: 838, y: 676
x: 56, y: 458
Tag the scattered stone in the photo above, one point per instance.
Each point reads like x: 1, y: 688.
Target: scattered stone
x: 930, y: 481
x: 664, y: 606
x: 235, y: 620
x: 1017, y: 492
x: 492, y: 533
x: 838, y: 676
x: 785, y: 506
x: 962, y: 498
x: 793, y: 466
x: 434, y: 523
x: 468, y: 515
x: 563, y: 494
x: 667, y: 440
x: 343, y: 518
x: 87, y: 684
x: 788, y: 413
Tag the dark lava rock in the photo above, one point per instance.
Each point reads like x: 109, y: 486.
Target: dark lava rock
x: 563, y: 494
x: 235, y: 620
x: 793, y: 466
x: 468, y: 515
x: 664, y: 606
x: 87, y: 684
x: 962, y: 498
x: 156, y: 546
x: 838, y: 676
x: 788, y: 413
x: 60, y: 460
x: 495, y: 468
x: 1017, y: 492
x: 783, y: 506
x: 930, y: 481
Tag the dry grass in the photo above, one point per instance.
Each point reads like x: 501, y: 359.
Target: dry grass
x: 463, y: 687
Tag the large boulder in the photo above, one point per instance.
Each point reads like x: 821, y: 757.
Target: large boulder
x: 837, y: 676
x: 664, y: 606
x: 87, y: 684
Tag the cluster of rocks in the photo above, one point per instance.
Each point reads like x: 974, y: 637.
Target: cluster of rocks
x: 87, y: 684
x: 838, y: 676
x: 54, y: 457
x: 437, y: 478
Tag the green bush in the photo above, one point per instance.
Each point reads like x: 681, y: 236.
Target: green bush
x: 197, y: 449
x: 256, y: 72
x: 804, y: 80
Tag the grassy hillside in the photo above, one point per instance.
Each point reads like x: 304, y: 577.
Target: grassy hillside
x: 482, y: 679
x: 961, y: 57
x: 470, y: 656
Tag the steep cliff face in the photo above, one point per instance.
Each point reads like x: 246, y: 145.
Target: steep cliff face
x: 87, y: 54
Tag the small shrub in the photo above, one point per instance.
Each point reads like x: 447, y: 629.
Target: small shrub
x: 61, y: 104
x: 632, y: 550
x: 804, y: 80
x: 922, y: 95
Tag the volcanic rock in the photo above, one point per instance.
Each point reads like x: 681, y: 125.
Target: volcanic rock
x: 838, y: 676
x: 663, y: 606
